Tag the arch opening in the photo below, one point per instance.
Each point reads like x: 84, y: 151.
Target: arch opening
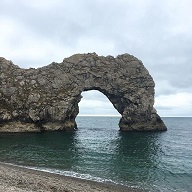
x: 96, y: 104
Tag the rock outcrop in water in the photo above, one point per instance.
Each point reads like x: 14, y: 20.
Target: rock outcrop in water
x: 46, y: 99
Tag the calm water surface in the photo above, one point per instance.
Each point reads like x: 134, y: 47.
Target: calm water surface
x: 99, y: 151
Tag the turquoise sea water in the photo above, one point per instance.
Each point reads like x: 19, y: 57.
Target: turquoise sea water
x: 99, y: 151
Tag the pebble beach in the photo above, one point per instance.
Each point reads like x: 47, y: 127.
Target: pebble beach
x: 20, y: 179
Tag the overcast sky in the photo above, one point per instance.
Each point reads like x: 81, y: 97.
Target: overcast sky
x: 34, y: 33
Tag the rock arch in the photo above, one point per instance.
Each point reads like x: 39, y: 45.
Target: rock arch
x: 46, y: 99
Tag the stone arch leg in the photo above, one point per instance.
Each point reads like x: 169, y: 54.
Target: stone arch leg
x: 134, y: 119
x: 62, y: 117
x: 69, y: 122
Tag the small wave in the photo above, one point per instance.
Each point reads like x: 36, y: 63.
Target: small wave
x: 67, y: 173
x: 76, y: 175
x: 139, y: 186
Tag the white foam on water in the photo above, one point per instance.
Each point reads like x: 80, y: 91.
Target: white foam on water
x: 97, y: 179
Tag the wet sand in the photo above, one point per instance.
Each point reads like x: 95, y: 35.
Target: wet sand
x: 20, y: 179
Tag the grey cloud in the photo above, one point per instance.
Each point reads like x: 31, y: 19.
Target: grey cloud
x: 57, y: 24
x: 97, y: 111
x: 94, y: 95
x: 165, y: 108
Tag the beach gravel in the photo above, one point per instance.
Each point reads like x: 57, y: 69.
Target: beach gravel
x: 20, y: 179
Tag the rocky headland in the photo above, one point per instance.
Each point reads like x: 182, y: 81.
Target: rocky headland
x: 46, y: 99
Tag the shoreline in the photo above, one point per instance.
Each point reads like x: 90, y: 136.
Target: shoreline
x: 21, y: 179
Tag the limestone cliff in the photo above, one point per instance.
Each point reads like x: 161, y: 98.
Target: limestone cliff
x: 46, y: 99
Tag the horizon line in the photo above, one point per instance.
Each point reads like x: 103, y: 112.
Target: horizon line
x: 111, y: 115
x: 105, y: 115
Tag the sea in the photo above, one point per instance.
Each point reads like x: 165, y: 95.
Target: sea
x: 153, y: 161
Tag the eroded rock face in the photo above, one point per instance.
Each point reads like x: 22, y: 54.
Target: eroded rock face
x: 46, y: 99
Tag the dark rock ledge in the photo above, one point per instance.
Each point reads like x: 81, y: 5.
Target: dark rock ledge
x: 46, y: 99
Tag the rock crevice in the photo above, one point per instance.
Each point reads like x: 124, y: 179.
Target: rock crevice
x: 46, y: 99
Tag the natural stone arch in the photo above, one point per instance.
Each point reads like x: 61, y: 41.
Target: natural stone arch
x: 47, y: 98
